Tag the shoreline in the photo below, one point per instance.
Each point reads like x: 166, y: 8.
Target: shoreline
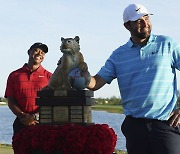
x: 104, y: 107
x: 107, y: 108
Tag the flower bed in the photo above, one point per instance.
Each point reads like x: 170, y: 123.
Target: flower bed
x: 65, y: 139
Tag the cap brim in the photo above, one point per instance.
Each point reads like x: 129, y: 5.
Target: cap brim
x: 43, y: 47
x: 139, y: 16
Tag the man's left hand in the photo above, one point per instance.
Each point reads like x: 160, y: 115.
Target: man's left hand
x: 175, y: 118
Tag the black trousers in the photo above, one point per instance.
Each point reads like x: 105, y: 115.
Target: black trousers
x: 145, y: 136
x: 17, y: 125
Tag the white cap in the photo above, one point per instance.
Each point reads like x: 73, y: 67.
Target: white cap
x: 133, y: 12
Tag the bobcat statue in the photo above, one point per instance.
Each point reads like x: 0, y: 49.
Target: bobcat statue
x: 72, y: 58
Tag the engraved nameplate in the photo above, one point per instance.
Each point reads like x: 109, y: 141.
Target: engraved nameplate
x: 45, y: 108
x: 76, y: 116
x: 76, y: 111
x: 60, y: 113
x: 45, y: 112
x: 45, y: 116
x: 76, y: 107
x: 45, y: 120
x: 76, y: 120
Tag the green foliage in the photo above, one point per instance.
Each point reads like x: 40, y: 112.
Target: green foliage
x: 108, y: 108
x: 2, y: 99
x: 111, y: 101
x: 117, y: 101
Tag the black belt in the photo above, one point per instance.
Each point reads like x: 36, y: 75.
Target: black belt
x: 144, y: 119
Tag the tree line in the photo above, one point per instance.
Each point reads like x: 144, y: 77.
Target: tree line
x: 111, y: 101
x: 117, y: 101
x: 2, y: 99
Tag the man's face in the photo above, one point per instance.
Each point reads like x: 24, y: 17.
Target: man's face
x: 140, y: 28
x: 36, y: 55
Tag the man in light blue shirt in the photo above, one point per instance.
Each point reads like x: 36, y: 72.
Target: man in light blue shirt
x: 145, y: 70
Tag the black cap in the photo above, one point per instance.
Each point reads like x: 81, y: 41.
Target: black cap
x: 39, y: 45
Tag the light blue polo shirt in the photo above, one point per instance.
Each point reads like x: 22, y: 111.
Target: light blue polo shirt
x: 146, y: 76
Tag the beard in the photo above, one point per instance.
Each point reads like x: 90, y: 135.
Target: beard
x: 142, y: 34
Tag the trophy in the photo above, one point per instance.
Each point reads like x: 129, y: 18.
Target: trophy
x: 64, y: 99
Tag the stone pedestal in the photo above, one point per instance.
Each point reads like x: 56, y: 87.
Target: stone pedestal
x: 61, y: 107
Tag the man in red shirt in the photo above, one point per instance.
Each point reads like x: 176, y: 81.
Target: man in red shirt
x: 23, y: 84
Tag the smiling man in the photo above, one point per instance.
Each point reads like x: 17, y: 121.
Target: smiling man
x: 145, y: 68
x: 23, y: 84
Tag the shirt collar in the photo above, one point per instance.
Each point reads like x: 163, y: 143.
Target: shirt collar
x: 26, y: 68
x: 131, y: 44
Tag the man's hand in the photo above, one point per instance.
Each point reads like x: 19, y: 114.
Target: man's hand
x: 175, y: 118
x: 29, y: 119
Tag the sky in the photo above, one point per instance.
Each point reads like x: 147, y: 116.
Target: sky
x: 98, y: 23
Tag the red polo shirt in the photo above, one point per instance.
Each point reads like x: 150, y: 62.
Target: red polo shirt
x: 23, y: 85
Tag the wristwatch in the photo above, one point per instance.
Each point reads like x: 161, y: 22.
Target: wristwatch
x: 36, y: 116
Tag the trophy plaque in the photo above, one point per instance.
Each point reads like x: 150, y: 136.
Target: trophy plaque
x: 60, y: 107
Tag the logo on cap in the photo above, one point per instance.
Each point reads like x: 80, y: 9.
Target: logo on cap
x: 137, y: 9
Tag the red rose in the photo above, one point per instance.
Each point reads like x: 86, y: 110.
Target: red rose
x: 69, y: 138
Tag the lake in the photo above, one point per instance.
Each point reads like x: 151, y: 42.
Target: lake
x: 114, y: 120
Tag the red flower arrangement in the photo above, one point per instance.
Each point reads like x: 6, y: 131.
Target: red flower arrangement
x: 65, y: 139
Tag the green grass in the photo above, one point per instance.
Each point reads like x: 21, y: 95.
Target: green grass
x: 108, y: 108
x: 121, y: 152
x: 3, y: 104
x: 6, y: 149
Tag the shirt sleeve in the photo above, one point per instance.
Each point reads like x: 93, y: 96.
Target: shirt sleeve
x: 9, y: 87
x: 175, y: 54
x: 108, y: 72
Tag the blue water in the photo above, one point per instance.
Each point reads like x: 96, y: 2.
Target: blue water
x: 114, y: 120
